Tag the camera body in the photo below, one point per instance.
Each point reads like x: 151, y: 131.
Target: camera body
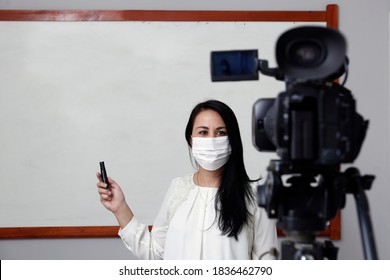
x: 309, y: 123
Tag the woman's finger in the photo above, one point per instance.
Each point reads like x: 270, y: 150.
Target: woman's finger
x: 101, y: 185
x: 105, y: 197
x: 99, y: 176
x: 104, y: 191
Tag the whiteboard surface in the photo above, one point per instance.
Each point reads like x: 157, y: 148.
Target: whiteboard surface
x: 76, y: 93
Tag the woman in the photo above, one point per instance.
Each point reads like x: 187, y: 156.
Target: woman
x: 210, y: 214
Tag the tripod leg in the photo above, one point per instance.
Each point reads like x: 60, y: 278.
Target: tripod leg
x: 366, y: 228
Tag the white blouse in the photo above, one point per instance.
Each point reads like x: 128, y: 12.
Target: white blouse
x: 186, y: 228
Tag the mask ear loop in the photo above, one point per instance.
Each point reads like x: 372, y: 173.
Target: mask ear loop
x: 192, y: 159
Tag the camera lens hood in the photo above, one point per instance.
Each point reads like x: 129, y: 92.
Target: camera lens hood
x: 310, y: 53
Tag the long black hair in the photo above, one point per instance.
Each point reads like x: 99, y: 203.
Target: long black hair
x: 235, y: 190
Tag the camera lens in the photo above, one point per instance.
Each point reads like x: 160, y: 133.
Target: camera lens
x: 305, y: 53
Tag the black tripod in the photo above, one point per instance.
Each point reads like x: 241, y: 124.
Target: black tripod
x: 306, y: 202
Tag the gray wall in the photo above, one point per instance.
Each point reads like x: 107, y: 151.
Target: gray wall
x: 366, y: 26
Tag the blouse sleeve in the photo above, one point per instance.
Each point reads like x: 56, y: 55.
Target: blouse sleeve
x: 145, y: 244
x: 265, y: 236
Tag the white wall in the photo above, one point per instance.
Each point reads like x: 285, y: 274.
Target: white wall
x: 366, y: 26
x: 112, y: 88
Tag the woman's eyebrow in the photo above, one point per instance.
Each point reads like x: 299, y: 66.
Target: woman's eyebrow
x: 202, y: 127
x: 205, y: 127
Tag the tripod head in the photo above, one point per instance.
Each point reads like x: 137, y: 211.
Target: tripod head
x: 303, y: 198
x: 306, y: 202
x: 303, y: 202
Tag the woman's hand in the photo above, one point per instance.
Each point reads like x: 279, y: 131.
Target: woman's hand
x: 114, y: 200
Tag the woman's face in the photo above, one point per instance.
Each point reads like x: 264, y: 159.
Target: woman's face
x: 208, y: 123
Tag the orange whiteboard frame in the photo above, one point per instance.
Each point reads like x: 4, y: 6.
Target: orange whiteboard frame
x: 330, y: 16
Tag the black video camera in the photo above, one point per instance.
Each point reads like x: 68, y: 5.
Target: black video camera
x: 313, y: 126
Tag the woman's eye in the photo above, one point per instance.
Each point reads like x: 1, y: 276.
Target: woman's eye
x: 203, y: 132
x: 222, y: 133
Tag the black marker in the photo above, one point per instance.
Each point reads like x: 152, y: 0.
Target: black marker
x: 104, y: 174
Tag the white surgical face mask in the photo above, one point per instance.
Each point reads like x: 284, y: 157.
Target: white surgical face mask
x: 211, y: 153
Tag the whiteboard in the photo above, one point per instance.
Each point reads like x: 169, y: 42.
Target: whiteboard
x: 76, y: 93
